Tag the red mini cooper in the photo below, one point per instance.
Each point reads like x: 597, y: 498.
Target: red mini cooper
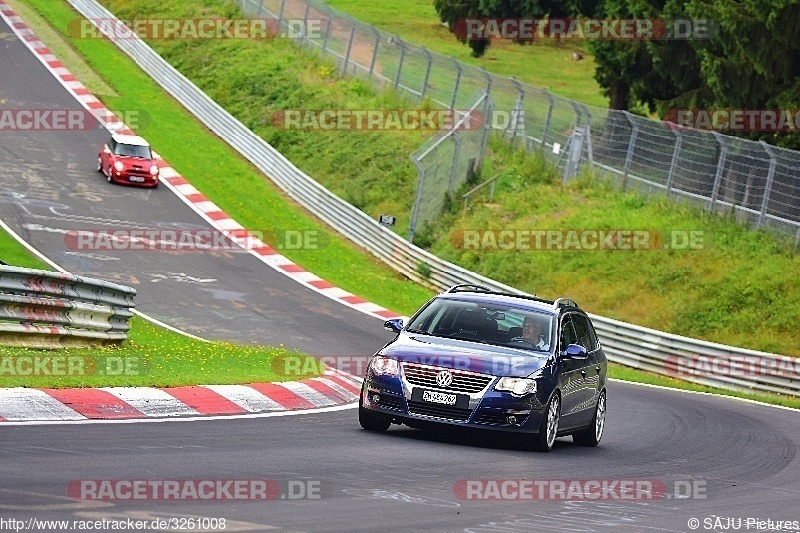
x: 128, y: 159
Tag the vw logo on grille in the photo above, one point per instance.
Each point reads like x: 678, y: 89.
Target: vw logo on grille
x: 444, y: 379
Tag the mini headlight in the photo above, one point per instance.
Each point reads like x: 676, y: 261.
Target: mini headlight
x: 154, y: 170
x: 118, y: 166
x: 384, y: 365
x: 516, y: 386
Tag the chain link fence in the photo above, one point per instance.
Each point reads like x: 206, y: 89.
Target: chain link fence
x: 757, y: 182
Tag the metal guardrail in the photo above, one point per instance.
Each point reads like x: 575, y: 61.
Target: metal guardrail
x: 41, y: 309
x: 624, y: 343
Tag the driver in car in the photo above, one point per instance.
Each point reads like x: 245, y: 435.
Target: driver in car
x: 532, y: 331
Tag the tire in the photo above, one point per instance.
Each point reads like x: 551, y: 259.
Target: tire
x: 548, y: 429
x: 594, y: 432
x: 373, y: 421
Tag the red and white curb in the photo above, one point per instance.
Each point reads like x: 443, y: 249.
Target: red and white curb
x: 334, y: 388
x: 22, y: 404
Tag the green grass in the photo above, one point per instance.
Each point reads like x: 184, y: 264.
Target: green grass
x: 546, y: 63
x: 737, y: 289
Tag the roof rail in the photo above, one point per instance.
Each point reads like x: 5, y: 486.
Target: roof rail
x: 469, y: 286
x: 565, y: 302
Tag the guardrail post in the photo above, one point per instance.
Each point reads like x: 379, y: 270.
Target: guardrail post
x: 399, y: 63
x: 723, y: 152
x: 768, y: 185
x: 631, y: 144
x: 427, y: 74
x: 327, y: 29
x: 375, y: 53
x: 551, y: 102
x: 674, y: 163
x: 457, y: 83
x: 349, y: 43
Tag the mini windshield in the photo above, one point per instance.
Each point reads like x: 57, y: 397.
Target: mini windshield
x: 489, y: 323
x: 133, y: 150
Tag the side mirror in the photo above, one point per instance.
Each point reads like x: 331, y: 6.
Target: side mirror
x: 106, y: 150
x: 394, y: 325
x: 574, y: 350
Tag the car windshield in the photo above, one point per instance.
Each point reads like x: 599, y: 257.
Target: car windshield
x: 492, y: 323
x: 133, y: 150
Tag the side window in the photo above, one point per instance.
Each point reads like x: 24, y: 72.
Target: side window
x: 568, y: 335
x: 112, y: 144
x: 584, y: 332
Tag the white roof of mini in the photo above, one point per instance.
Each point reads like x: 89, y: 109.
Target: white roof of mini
x: 130, y: 139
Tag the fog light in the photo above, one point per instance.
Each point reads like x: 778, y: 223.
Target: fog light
x: 376, y: 399
x: 512, y: 419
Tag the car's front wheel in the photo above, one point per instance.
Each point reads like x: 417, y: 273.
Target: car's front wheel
x: 548, y: 429
x: 373, y: 421
x: 592, y: 434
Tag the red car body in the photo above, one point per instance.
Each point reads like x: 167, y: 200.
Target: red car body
x: 127, y: 159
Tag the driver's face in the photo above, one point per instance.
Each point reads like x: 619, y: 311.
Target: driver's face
x: 530, y: 329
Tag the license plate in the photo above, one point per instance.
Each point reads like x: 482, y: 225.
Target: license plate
x: 439, y: 397
x: 137, y: 179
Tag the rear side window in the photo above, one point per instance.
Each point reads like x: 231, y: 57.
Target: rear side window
x: 584, y: 332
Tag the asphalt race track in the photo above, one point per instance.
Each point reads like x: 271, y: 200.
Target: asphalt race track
x: 726, y: 458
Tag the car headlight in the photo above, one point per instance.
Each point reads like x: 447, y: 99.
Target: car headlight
x: 118, y: 166
x: 154, y: 170
x: 384, y: 365
x: 516, y: 386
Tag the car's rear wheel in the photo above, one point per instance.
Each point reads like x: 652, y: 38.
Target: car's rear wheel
x: 548, y: 429
x: 373, y: 421
x: 593, y: 433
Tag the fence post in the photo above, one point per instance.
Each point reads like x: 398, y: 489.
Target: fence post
x: 427, y: 74
x: 280, y: 15
x: 723, y: 152
x: 260, y: 8
x: 517, y: 112
x: 412, y: 224
x: 631, y: 144
x: 458, y: 81
x: 768, y: 186
x: 488, y: 81
x: 399, y: 63
x: 454, y: 165
x: 488, y: 110
x: 551, y: 101
x: 305, y: 19
x: 674, y: 163
x: 349, y: 43
x: 375, y: 53
x: 327, y: 29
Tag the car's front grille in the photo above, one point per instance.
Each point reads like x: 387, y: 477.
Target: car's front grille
x: 463, y: 381
x: 438, y: 411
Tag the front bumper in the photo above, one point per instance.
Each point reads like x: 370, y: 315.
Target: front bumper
x: 488, y: 409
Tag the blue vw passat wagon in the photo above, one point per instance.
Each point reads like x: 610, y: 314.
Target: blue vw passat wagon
x: 478, y: 358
